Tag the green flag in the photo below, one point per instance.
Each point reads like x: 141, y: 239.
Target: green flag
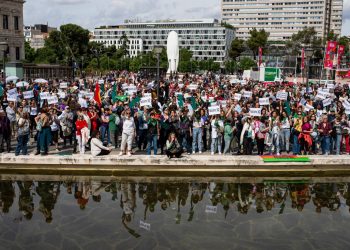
x: 114, y: 93
x: 194, y: 104
x: 134, y: 102
x: 122, y: 98
x: 180, y: 100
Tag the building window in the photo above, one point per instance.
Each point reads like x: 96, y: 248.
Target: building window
x: 5, y: 22
x: 18, y: 55
x: 16, y: 22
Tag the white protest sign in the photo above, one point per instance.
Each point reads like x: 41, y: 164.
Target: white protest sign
x: 327, y: 102
x: 308, y: 107
x: 347, y: 111
x: 83, y: 103
x: 132, y: 89
x: 214, y: 110
x: 124, y: 86
x: 237, y: 96
x: 147, y: 94
x: 223, y: 103
x: 322, y: 95
x: 330, y: 86
x: 244, y: 82
x: 12, y: 92
x: 177, y: 93
x: 281, y: 95
x: 44, y: 95
x: 192, y: 87
x: 63, y: 85
x: 52, y: 100
x: 101, y: 81
x: 247, y: 94
x: 264, y: 101
x: 12, y: 98
x: 145, y: 225
x: 89, y: 95
x: 211, y: 209
x: 325, y: 90
x: 28, y: 94
x: 62, y: 95
x: 346, y: 104
x: 146, y: 101
x: 255, y: 111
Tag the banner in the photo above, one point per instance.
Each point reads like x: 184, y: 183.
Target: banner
x: 12, y: 98
x: 281, y: 95
x: 327, y: 102
x: 146, y: 101
x: 329, y: 55
x: 247, y: 94
x: 271, y: 74
x: 28, y: 94
x: 214, y: 110
x: 44, y: 95
x: 302, y: 59
x: 52, y: 100
x: 260, y: 56
x: 237, y: 96
x: 341, y: 51
x: 12, y: 92
x: 63, y: 85
x: 264, y: 102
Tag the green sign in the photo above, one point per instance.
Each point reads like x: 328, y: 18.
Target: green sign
x: 271, y: 74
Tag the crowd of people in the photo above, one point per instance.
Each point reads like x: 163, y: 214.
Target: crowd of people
x: 243, y: 197
x: 183, y: 114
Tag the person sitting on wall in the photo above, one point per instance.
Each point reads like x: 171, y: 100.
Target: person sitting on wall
x: 173, y: 147
x: 97, y: 148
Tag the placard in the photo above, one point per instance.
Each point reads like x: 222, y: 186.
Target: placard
x: 12, y: 98
x: 281, y: 95
x: 247, y: 94
x: 89, y: 95
x: 192, y: 87
x: 147, y: 94
x: 330, y: 86
x: 132, y: 89
x: 237, y: 96
x: 28, y: 94
x: 44, y: 95
x: 214, y: 110
x: 346, y: 104
x: 52, y: 100
x: 264, y: 101
x: 223, y: 103
x: 145, y: 225
x: 308, y: 107
x: 61, y: 95
x: 146, y: 101
x: 327, y: 102
x: 101, y: 81
x: 83, y: 103
x: 322, y: 95
x: 347, y: 111
x: 63, y: 85
x: 12, y: 92
x: 255, y: 112
x: 211, y: 209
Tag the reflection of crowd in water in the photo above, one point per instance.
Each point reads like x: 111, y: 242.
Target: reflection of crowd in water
x: 241, y: 197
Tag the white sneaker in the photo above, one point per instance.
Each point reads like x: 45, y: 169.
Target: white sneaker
x: 193, y: 152
x: 129, y: 153
x: 278, y: 154
x: 212, y: 153
x: 219, y: 153
x: 121, y: 153
x: 200, y: 152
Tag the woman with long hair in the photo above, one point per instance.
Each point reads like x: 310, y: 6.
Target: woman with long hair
x: 23, y: 134
x: 305, y: 138
x: 173, y: 147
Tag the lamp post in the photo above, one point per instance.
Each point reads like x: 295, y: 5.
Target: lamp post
x: 3, y: 49
x: 308, y: 54
x: 158, y: 50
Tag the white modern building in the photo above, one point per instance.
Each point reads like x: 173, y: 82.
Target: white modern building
x: 206, y: 38
x: 283, y: 18
x: 37, y: 34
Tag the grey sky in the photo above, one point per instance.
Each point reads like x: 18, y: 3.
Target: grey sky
x: 93, y: 13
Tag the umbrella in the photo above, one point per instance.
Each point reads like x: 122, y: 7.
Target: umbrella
x: 22, y: 84
x: 11, y: 78
x: 40, y: 80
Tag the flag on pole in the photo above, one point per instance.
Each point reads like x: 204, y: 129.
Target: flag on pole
x: 330, y: 54
x: 302, y: 59
x: 97, y: 96
x: 341, y: 51
x: 260, y: 56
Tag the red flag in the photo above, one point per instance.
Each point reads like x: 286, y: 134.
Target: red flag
x: 260, y: 55
x: 302, y: 59
x: 341, y: 51
x: 329, y: 55
x: 97, y: 96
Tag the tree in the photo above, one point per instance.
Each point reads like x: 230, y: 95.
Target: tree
x: 257, y: 39
x: 30, y: 53
x: 246, y: 63
x: 231, y: 66
x: 236, y: 49
x: 123, y: 50
x: 304, y: 38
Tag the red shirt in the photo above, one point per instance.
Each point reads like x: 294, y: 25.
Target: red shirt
x: 80, y: 125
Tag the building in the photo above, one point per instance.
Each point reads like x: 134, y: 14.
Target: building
x: 11, y: 30
x: 283, y: 18
x: 37, y: 34
x: 206, y: 38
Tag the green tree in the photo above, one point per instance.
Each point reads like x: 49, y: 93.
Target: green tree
x: 123, y: 49
x: 304, y: 38
x: 231, y: 66
x: 237, y: 47
x: 246, y: 63
x: 257, y: 39
x: 30, y: 53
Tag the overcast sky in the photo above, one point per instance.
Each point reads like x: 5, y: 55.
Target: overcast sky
x: 94, y: 13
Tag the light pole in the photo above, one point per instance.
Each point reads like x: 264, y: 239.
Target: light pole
x: 308, y: 54
x: 3, y: 49
x: 158, y: 50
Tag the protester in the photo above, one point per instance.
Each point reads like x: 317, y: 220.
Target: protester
x: 128, y: 132
x: 81, y: 135
x: 97, y: 148
x: 23, y: 134
x: 173, y: 147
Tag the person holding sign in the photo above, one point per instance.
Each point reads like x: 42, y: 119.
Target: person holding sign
x: 217, y: 129
x: 247, y: 136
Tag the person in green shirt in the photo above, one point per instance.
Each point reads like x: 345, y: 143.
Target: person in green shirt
x: 228, y: 135
x: 114, y: 121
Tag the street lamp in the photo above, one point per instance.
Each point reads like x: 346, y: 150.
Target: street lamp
x: 3, y: 49
x: 158, y: 50
x: 309, y: 52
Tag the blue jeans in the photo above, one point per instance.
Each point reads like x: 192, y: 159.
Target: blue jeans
x: 325, y: 144
x: 275, y: 147
x: 285, y: 136
x: 216, y: 144
x: 338, y: 140
x: 152, y: 140
x: 296, y: 145
x: 197, y: 139
x: 103, y: 131
x: 22, y: 141
x: 228, y: 140
x: 45, y: 138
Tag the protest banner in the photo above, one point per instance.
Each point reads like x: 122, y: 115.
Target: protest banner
x: 237, y: 96
x: 321, y: 95
x: 281, y: 95
x: 346, y: 104
x: 132, y: 89
x: 62, y: 95
x: 255, y: 112
x: 211, y: 209
x: 223, y: 103
x: 214, y: 110
x: 147, y: 94
x: 264, y: 101
x: 64, y: 85
x: 52, y: 100
x: 247, y: 94
x: 146, y: 101
x: 145, y: 225
x: 12, y: 92
x: 44, y: 95
x: 308, y: 107
x: 12, y: 98
x: 192, y: 87
x: 327, y: 102
x: 28, y: 94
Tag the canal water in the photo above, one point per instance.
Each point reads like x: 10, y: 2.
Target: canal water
x: 174, y: 214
